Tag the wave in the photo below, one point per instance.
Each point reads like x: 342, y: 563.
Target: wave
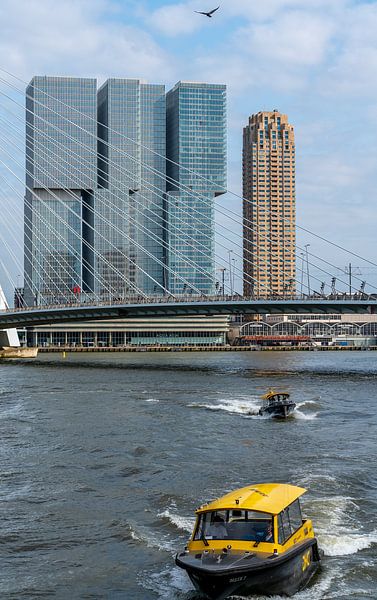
x: 300, y: 416
x: 241, y: 406
x: 308, y: 403
x: 347, y: 543
x: 185, y: 524
x: 170, y: 583
x: 152, y: 539
x: 338, y: 514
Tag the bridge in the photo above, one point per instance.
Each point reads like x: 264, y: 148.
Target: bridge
x: 114, y: 229
x: 161, y: 307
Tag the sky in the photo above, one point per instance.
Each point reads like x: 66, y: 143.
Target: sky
x: 314, y: 60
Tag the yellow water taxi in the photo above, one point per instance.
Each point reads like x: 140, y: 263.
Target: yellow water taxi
x: 252, y: 541
x: 277, y: 404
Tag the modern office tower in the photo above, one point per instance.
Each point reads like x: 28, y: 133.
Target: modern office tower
x: 196, y: 174
x: 269, y: 205
x: 97, y: 215
x: 94, y: 212
x: 131, y: 178
x: 60, y: 174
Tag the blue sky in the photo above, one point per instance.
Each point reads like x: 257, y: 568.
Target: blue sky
x: 315, y: 60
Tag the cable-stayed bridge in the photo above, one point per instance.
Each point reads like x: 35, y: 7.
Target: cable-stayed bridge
x: 117, y: 224
x: 163, y: 307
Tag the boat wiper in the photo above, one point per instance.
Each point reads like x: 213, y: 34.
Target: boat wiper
x: 203, y: 537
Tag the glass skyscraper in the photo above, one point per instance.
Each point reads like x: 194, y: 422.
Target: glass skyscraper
x: 94, y: 210
x: 100, y: 214
x: 196, y: 173
x: 60, y: 172
x: 131, y: 177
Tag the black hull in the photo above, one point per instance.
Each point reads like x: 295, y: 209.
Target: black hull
x: 282, y: 575
x: 279, y: 411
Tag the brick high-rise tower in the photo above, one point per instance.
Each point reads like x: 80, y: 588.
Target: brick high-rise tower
x: 269, y: 205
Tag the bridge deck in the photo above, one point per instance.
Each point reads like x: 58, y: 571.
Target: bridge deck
x: 164, y: 308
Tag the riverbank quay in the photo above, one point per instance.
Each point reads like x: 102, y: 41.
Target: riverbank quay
x: 209, y: 349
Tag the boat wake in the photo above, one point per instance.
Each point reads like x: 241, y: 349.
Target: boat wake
x: 170, y: 515
x: 170, y: 584
x: 335, y: 515
x: 152, y: 539
x: 246, y: 407
x: 301, y: 416
x: 249, y: 407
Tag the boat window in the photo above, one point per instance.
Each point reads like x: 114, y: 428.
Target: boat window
x: 290, y: 519
x: 284, y: 526
x: 235, y: 524
x: 295, y: 516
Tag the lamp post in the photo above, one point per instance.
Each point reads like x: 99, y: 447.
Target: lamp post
x: 307, y: 266
x: 234, y: 271
x: 302, y: 274
x: 230, y: 272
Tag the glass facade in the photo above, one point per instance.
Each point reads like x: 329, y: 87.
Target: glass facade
x: 132, y: 184
x: 99, y: 215
x: 196, y: 142
x: 60, y: 168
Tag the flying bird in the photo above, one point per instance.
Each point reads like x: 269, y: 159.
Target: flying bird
x: 207, y: 14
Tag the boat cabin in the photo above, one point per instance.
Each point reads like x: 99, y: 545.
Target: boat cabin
x: 276, y: 397
x: 249, y: 525
x: 264, y: 514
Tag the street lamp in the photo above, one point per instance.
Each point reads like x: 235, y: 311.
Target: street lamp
x: 307, y: 266
x: 230, y: 272
x: 302, y: 274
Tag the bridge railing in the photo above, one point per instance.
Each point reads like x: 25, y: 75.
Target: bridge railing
x: 142, y: 300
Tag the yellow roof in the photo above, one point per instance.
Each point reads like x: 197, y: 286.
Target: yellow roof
x: 264, y: 497
x: 272, y: 393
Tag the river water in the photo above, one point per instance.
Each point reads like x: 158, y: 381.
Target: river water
x: 104, y: 458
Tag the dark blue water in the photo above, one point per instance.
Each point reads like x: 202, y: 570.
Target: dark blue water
x: 104, y: 459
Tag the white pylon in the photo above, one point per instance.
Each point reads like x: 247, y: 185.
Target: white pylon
x: 8, y: 337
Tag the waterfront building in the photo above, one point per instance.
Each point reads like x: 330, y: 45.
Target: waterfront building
x: 318, y: 329
x: 196, y: 174
x: 61, y: 172
x: 159, y: 331
x: 269, y: 216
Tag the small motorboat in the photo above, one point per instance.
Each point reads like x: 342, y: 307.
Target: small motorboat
x: 252, y: 541
x: 277, y: 404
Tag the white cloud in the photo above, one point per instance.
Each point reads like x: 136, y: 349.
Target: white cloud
x: 298, y: 39
x: 76, y: 37
x: 176, y: 19
x: 353, y: 70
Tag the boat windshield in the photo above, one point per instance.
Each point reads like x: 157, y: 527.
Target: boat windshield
x: 276, y: 398
x: 247, y: 525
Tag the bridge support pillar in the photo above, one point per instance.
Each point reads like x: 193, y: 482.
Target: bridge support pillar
x: 8, y: 337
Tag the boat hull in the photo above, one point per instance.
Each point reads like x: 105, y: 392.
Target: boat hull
x: 284, y: 575
x: 278, y: 411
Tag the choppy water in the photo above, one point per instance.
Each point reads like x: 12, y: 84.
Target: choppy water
x: 105, y: 457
